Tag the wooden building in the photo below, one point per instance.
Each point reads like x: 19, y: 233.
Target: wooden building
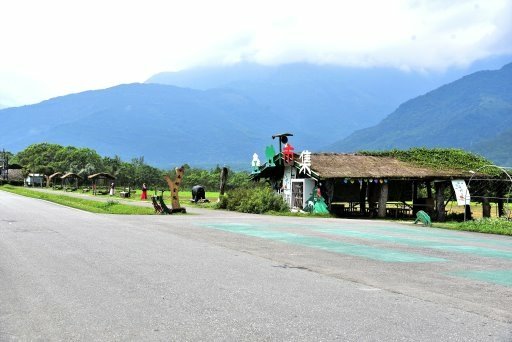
x: 361, y: 185
x: 70, y: 181
x: 100, y: 182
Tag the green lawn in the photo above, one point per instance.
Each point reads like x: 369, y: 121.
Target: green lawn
x: 111, y: 206
x: 499, y: 226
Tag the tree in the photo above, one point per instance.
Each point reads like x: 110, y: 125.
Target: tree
x: 112, y: 165
x: 39, y: 158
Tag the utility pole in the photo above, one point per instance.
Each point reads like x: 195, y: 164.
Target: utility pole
x: 4, y: 164
x: 283, y: 139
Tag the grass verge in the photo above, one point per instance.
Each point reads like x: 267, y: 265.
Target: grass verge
x: 500, y: 226
x: 93, y: 206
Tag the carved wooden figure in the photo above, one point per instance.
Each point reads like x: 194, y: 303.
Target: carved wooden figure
x: 174, y: 187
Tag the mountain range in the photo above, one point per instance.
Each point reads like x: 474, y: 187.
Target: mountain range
x: 223, y: 115
x: 319, y: 103
x: 473, y: 113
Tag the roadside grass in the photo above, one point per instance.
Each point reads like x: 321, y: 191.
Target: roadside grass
x: 94, y: 206
x: 500, y: 226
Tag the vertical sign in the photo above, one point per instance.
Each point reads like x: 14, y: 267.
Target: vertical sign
x: 461, y: 192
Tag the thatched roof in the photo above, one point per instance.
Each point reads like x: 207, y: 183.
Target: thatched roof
x: 103, y: 175
x: 15, y: 167
x: 335, y: 165
x: 56, y: 174
x: 71, y: 175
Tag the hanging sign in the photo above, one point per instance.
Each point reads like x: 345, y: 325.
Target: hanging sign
x: 461, y: 192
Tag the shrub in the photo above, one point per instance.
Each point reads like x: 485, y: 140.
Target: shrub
x: 488, y: 225
x: 459, y: 217
x: 256, y: 200
x: 11, y: 182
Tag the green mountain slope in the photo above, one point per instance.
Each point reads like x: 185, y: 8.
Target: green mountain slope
x: 498, y: 148
x: 319, y: 103
x: 464, y: 114
x: 165, y: 124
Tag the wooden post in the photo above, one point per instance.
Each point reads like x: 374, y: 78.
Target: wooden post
x: 486, y: 207
x: 467, y: 211
x: 440, y: 205
x: 372, y: 190
x: 362, y: 198
x: 329, y: 188
x: 501, y: 209
x: 383, y: 199
x: 414, y: 197
x: 223, y: 180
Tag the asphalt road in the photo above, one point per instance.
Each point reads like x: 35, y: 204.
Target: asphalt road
x: 220, y: 276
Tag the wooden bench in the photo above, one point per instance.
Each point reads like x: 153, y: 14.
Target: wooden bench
x: 397, y: 212
x: 127, y: 192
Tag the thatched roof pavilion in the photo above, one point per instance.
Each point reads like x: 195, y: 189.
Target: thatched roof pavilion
x: 68, y: 178
x: 100, y: 180
x: 52, y: 177
x: 365, y: 184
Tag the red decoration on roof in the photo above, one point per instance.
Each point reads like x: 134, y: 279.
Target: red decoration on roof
x: 288, y: 154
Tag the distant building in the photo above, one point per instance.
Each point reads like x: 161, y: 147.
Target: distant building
x: 34, y: 179
x: 13, y: 174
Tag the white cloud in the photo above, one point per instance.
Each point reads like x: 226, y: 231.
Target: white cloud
x: 70, y: 46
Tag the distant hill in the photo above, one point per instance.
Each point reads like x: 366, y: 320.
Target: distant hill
x: 165, y: 124
x: 473, y: 113
x: 319, y: 103
x: 498, y: 148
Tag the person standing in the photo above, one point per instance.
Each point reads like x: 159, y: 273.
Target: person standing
x: 144, y: 195
x: 112, y: 189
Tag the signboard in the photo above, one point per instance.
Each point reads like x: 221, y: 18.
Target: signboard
x: 305, y: 165
x: 461, y: 192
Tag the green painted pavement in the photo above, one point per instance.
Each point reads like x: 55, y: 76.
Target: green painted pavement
x: 434, y: 233
x: 380, y: 254
x: 500, y: 277
x: 481, y: 251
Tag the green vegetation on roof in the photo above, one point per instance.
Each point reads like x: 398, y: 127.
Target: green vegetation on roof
x: 449, y: 158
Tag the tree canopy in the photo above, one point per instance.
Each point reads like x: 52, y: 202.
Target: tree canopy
x: 49, y: 158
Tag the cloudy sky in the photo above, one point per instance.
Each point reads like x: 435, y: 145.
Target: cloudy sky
x: 56, y: 47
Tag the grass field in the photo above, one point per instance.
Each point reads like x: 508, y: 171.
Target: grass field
x: 110, y: 206
x: 499, y: 226
x: 476, y: 209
